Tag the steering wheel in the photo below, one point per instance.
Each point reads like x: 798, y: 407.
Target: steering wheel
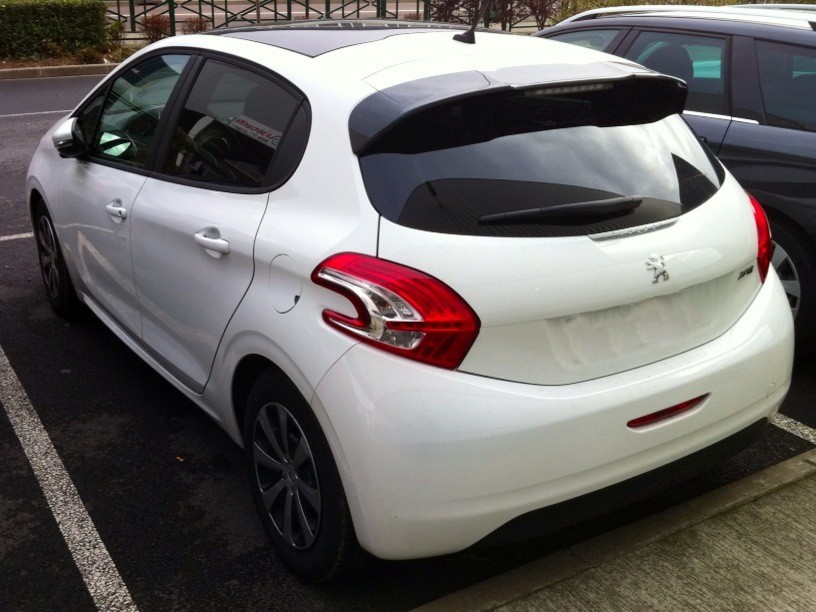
x: 219, y: 141
x: 120, y: 138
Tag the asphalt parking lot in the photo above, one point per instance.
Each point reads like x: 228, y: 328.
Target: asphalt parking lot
x: 143, y: 501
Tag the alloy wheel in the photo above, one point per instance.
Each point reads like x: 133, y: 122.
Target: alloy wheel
x: 786, y: 270
x: 47, y: 243
x: 285, y: 472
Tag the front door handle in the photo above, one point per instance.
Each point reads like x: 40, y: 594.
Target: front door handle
x: 210, y: 238
x: 116, y: 210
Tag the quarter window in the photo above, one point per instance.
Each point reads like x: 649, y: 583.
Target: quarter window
x: 787, y: 78
x: 230, y: 127
x: 698, y: 60
x: 132, y: 110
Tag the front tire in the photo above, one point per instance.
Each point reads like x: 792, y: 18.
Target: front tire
x: 58, y: 286
x: 295, y: 482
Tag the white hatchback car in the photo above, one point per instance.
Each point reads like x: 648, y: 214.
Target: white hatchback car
x: 443, y: 293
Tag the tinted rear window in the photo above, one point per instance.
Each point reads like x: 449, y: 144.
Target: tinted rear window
x: 454, y: 167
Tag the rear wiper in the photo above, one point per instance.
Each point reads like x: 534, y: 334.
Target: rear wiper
x: 592, y: 208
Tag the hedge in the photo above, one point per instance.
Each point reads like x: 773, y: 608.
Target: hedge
x: 31, y: 28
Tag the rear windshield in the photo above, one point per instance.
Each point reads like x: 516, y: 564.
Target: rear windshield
x: 527, y: 163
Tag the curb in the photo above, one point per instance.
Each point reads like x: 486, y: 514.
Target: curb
x: 55, y: 71
x: 547, y: 571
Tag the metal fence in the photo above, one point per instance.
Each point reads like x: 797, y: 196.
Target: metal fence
x: 221, y: 13
x: 195, y: 15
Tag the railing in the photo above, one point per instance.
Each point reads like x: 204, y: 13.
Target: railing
x: 221, y: 13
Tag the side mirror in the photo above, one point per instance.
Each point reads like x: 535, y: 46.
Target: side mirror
x: 68, y: 139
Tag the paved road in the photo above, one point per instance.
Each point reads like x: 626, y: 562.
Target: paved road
x: 162, y: 484
x: 27, y: 96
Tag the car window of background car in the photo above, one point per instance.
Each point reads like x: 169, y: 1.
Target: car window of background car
x: 133, y: 108
x: 230, y: 127
x: 591, y: 39
x: 787, y: 79
x: 698, y: 60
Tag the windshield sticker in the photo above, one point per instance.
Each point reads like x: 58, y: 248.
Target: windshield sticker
x: 256, y: 130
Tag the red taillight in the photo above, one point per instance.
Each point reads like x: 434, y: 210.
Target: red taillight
x: 765, y: 247
x: 666, y: 413
x: 399, y: 309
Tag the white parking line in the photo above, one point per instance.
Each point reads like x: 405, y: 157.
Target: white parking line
x: 101, y: 577
x: 16, y: 236
x: 794, y: 427
x: 53, y: 112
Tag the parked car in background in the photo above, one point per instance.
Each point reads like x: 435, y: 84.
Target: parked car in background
x: 751, y: 74
x: 408, y: 275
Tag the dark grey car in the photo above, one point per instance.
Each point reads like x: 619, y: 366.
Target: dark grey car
x: 751, y: 74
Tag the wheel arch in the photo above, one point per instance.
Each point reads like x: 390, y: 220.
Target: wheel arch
x: 35, y: 198
x: 247, y: 370
x: 785, y: 211
x: 776, y: 216
x: 246, y: 373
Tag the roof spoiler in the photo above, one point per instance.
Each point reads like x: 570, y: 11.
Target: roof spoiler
x: 649, y: 96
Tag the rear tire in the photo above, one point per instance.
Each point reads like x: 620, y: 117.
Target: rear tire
x: 295, y: 482
x: 58, y: 286
x: 794, y: 260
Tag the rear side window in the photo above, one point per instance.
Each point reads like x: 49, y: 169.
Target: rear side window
x: 598, y: 40
x: 787, y: 78
x: 230, y: 127
x: 506, y: 164
x: 698, y: 60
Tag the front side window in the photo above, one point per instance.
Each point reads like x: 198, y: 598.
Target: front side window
x: 230, y: 127
x: 530, y: 163
x: 787, y: 78
x: 133, y: 108
x: 698, y: 60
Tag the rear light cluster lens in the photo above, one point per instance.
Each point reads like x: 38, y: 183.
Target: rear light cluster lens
x: 765, y: 248
x: 399, y: 309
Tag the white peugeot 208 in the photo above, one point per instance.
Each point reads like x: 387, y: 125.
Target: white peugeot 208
x: 443, y: 293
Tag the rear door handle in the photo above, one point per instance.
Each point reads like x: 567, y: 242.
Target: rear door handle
x: 116, y: 210
x: 210, y: 239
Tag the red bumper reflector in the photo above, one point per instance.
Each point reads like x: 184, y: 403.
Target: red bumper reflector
x: 666, y: 413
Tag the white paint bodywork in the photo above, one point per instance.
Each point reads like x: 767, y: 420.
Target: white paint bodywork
x: 584, y: 308
x: 188, y: 293
x: 436, y: 461
x: 431, y: 460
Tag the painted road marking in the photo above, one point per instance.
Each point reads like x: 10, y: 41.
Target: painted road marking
x: 53, y: 112
x: 16, y: 236
x: 794, y: 427
x: 101, y: 577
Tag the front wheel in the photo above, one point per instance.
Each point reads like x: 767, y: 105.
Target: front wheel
x: 295, y: 482
x: 58, y: 286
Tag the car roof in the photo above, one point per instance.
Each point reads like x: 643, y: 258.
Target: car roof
x: 316, y: 37
x: 399, y: 70
x: 786, y: 15
x: 346, y: 55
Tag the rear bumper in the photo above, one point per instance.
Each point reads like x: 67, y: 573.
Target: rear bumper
x: 434, y: 461
x: 591, y: 505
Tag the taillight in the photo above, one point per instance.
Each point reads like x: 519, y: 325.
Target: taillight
x: 765, y: 247
x: 399, y: 309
